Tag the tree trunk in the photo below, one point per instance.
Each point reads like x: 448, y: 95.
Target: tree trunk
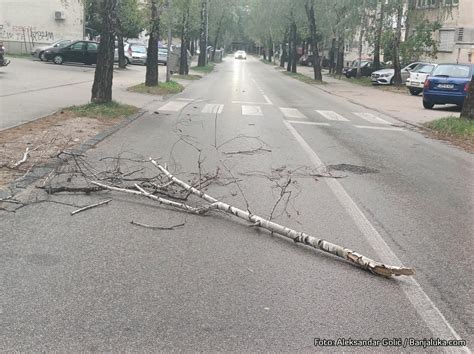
x: 183, y: 60
x: 151, y: 76
x: 332, y: 56
x: 397, y: 79
x: 309, y: 7
x: 218, y: 32
x: 203, y: 38
x: 340, y: 55
x: 378, y: 35
x: 290, y: 46
x: 193, y: 48
x: 361, y: 38
x: 121, y: 52
x: 294, y: 54
x: 104, y: 71
x: 283, y: 56
x: 468, y: 106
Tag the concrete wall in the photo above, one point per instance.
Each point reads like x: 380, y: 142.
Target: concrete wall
x: 26, y: 23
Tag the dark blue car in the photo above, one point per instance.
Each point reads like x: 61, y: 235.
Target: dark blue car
x: 447, y: 84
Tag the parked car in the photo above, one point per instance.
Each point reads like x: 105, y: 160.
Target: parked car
x: 38, y: 52
x: 418, y: 76
x: 240, y: 54
x: 3, y: 61
x: 78, y: 52
x: 447, y: 84
x: 162, y: 55
x: 386, y: 76
x: 306, y: 60
x: 366, y: 68
x: 135, y: 53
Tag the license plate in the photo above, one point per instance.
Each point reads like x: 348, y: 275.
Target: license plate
x: 446, y: 86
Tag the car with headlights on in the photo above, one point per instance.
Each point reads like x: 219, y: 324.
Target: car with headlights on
x: 447, y: 84
x: 240, y: 54
x: 417, y: 78
x: 386, y: 76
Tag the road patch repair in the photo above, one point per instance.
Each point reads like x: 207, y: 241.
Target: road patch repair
x: 29, y: 148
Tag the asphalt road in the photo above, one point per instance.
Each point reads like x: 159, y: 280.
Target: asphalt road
x: 30, y: 89
x: 95, y: 282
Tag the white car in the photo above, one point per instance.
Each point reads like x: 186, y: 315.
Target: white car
x: 240, y: 54
x: 385, y: 76
x: 418, y: 76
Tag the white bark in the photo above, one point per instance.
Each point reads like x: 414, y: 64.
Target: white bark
x: 301, y: 237
x: 91, y: 206
x: 25, y: 157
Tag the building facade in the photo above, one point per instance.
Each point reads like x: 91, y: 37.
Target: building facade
x: 27, y: 23
x: 456, y: 36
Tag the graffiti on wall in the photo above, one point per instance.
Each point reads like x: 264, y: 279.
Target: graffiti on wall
x: 28, y: 34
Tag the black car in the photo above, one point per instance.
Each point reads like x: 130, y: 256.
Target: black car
x: 77, y: 52
x: 366, y: 68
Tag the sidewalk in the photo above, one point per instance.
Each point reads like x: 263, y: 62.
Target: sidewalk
x: 403, y: 107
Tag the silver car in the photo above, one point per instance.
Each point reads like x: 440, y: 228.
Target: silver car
x: 38, y: 52
x: 162, y: 55
x: 134, y: 53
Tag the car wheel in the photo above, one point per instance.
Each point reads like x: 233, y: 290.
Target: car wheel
x: 41, y: 56
x: 414, y: 92
x: 428, y: 105
x: 58, y: 59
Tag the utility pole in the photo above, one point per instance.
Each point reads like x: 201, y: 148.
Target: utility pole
x: 170, y: 38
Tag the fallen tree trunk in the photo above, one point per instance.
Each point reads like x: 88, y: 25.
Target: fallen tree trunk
x: 299, y: 237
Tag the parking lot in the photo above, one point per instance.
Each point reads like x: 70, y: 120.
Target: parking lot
x: 31, y: 89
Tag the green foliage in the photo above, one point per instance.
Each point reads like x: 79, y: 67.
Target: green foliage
x: 453, y: 126
x: 104, y: 110
x: 204, y: 69
x: 420, y: 43
x: 163, y: 88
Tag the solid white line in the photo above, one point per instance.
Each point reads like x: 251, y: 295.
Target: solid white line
x: 173, y: 106
x: 213, y: 108
x: 251, y: 111
x: 372, y: 118
x: 377, y: 128
x: 332, y: 115
x: 267, y: 99
x: 427, y: 310
x: 291, y: 112
x: 307, y: 123
x: 185, y: 99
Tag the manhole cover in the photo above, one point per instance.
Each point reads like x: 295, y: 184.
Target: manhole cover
x: 358, y: 170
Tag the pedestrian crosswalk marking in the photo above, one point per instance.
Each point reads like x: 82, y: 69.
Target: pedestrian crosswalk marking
x: 213, y: 108
x: 185, y: 99
x: 251, y: 111
x: 173, y: 106
x: 369, y: 117
x: 291, y: 112
x: 307, y: 123
x: 331, y: 115
x: 378, y: 128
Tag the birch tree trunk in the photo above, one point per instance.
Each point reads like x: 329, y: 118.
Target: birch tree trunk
x: 151, y: 76
x: 104, y: 70
x: 290, y: 47
x: 397, y: 79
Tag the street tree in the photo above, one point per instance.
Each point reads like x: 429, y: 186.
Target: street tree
x: 309, y: 7
x: 151, y: 76
x: 468, y: 106
x: 104, y: 71
x: 202, y: 60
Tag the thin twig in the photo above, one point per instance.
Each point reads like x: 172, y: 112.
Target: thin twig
x: 90, y: 206
x: 157, y: 227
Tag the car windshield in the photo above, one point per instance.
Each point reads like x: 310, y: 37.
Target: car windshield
x: 424, y: 68
x: 461, y: 71
x: 162, y: 50
x: 139, y: 49
x: 62, y: 43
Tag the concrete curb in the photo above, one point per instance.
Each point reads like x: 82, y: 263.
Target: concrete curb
x: 40, y: 171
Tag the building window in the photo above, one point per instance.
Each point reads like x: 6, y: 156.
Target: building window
x: 421, y: 4
x: 446, y: 40
x: 451, y: 2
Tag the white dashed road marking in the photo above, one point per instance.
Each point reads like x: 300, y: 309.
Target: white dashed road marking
x: 291, y: 113
x: 371, y: 118
x: 330, y: 115
x: 213, y: 108
x: 173, y: 106
x: 377, y: 128
x: 267, y: 99
x: 251, y: 111
x: 308, y: 123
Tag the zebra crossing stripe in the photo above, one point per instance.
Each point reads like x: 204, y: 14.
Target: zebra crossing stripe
x: 331, y: 115
x: 251, y: 110
x: 213, y: 108
x: 291, y: 112
x: 307, y: 123
x: 372, y: 118
x: 378, y: 128
x: 173, y: 106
